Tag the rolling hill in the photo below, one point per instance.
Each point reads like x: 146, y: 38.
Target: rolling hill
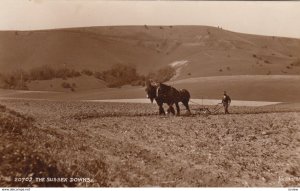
x: 194, y: 51
x: 208, y: 51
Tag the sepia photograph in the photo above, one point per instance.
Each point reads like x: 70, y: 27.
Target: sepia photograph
x: 159, y: 94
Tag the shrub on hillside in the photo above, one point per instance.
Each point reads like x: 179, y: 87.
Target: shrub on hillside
x: 140, y: 82
x: 14, y: 80
x: 42, y: 73
x: 118, y: 75
x: 18, y: 78
x: 46, y: 72
x: 9, y: 82
x: 66, y: 73
x: 66, y: 85
x: 162, y: 75
x: 87, y: 72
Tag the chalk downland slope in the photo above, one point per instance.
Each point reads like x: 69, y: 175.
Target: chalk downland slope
x: 209, y: 51
x: 205, y: 52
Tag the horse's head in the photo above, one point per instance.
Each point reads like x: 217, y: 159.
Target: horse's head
x: 151, y: 87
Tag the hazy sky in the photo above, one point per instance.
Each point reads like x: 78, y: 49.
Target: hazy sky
x: 266, y: 18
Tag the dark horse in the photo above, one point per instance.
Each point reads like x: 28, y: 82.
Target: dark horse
x: 167, y: 94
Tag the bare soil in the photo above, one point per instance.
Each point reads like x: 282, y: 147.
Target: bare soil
x: 122, y: 145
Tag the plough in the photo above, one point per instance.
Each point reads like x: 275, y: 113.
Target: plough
x: 203, y: 110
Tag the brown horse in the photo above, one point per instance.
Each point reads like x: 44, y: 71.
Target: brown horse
x: 167, y: 94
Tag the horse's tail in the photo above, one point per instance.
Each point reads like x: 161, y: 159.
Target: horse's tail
x: 185, y: 95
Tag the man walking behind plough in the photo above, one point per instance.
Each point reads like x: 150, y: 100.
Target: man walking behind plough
x: 226, y: 102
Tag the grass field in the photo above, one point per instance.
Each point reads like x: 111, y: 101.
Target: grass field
x: 122, y: 144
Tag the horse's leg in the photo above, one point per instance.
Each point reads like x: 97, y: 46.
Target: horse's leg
x: 177, y: 108
x: 171, y: 109
x: 161, y: 109
x: 186, y: 104
x: 168, y: 110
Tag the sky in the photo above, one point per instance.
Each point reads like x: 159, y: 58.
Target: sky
x: 276, y: 18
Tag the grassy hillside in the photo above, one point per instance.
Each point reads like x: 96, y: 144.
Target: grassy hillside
x: 195, y: 52
x: 208, y: 51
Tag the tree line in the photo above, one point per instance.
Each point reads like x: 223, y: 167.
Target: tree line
x: 117, y: 76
